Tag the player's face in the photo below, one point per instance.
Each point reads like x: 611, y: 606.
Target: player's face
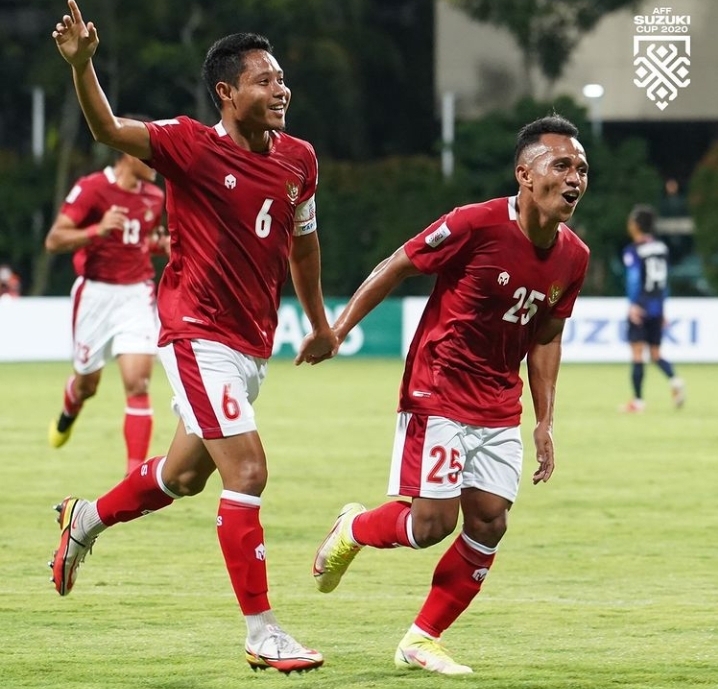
x: 260, y: 102
x: 557, y: 173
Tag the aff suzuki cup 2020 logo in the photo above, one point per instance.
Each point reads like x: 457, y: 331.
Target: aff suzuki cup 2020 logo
x: 662, y: 54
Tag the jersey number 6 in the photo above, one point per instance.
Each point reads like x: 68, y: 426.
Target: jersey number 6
x: 263, y: 223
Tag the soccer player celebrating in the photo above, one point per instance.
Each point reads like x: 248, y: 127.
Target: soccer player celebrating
x: 241, y: 215
x: 508, y: 273
x: 111, y: 220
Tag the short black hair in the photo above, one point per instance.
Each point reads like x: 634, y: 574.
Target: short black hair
x: 644, y: 216
x: 551, y: 124
x: 225, y: 60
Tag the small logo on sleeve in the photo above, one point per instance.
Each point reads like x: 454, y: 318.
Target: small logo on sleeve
x: 165, y: 123
x: 74, y: 193
x: 438, y: 236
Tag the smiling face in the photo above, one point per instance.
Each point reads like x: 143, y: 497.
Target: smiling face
x: 259, y: 100
x: 554, y: 173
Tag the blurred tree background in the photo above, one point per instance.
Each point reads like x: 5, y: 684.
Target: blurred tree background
x: 704, y: 207
x: 361, y: 73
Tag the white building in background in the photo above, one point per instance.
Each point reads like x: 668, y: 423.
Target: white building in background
x: 481, y: 64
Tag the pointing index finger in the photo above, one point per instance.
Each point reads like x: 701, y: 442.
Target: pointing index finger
x: 75, y: 11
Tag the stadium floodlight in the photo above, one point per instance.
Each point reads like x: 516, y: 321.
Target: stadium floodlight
x: 593, y: 91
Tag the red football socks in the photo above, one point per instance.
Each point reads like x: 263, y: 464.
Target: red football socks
x: 71, y: 405
x: 457, y: 579
x: 241, y: 538
x: 137, y: 429
x: 138, y: 494
x: 384, y: 526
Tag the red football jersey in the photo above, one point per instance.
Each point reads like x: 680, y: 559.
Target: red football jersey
x: 123, y: 256
x: 231, y: 216
x: 494, y: 290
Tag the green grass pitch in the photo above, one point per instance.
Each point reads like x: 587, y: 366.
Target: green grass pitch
x: 607, y: 577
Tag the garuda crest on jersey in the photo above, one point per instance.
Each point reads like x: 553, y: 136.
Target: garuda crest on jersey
x: 292, y: 190
x: 554, y: 293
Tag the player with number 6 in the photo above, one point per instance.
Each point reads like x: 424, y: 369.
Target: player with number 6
x: 241, y: 217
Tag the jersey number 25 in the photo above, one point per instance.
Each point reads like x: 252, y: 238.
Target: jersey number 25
x: 525, y: 307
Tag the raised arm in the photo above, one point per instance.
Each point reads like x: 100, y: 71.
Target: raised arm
x: 543, y: 362
x: 77, y: 43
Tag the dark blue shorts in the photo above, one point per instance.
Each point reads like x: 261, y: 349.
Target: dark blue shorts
x: 650, y: 331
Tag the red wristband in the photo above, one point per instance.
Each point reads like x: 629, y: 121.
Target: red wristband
x: 93, y: 231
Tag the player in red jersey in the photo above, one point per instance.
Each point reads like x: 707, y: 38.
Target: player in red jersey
x: 241, y: 216
x: 112, y: 221
x: 507, y: 274
x: 10, y: 284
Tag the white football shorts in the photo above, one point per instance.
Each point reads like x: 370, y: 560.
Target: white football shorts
x: 434, y: 457
x: 108, y: 320
x: 214, y: 387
